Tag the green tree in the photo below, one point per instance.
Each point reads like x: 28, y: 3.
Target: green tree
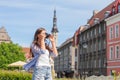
x: 9, y: 53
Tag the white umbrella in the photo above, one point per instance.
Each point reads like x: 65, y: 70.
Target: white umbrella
x: 17, y: 64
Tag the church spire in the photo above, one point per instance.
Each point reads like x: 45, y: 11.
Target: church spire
x: 54, y: 30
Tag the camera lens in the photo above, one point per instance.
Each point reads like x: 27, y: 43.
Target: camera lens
x: 47, y: 35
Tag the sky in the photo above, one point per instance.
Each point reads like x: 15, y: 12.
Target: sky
x: 21, y: 18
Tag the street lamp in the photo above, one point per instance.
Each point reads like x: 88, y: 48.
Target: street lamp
x: 82, y: 57
x: 85, y: 46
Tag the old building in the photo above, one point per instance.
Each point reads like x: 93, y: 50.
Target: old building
x: 93, y: 41
x: 65, y: 62
x: 93, y: 48
x: 113, y: 39
x: 4, y: 37
x: 77, y: 52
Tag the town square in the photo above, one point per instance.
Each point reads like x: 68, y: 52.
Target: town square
x: 60, y: 40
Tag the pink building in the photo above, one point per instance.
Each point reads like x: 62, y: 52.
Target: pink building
x: 113, y: 39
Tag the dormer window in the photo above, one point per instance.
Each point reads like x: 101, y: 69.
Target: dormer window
x: 96, y: 20
x: 87, y: 25
x: 119, y: 8
x: 113, y: 10
x: 107, y: 13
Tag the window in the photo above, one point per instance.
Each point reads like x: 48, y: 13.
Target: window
x: 80, y: 38
x: 80, y: 65
x: 99, y: 29
x: 99, y: 45
x: 87, y: 64
x: 84, y: 37
x: 99, y: 63
x: 104, y: 27
x: 75, y: 65
x: 95, y: 31
x: 111, y: 53
x: 75, y: 52
x: 117, y: 51
x: 91, y: 47
x: 95, y: 64
x: 116, y: 31
x: 104, y: 44
x: 91, y: 33
x: 111, y: 33
x: 119, y: 8
x: 87, y: 34
x: 95, y: 46
x: 113, y: 10
x: 105, y: 62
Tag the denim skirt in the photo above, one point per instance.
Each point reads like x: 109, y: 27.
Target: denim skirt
x: 42, y: 73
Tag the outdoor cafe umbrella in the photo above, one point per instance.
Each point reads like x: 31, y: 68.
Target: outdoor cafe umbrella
x: 17, y: 64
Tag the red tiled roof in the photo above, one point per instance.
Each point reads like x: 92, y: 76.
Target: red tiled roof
x: 100, y: 14
x: 26, y: 49
x: 75, y: 37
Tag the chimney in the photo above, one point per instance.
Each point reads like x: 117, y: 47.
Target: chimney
x: 95, y: 12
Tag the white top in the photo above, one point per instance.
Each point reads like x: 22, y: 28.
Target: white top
x: 44, y: 59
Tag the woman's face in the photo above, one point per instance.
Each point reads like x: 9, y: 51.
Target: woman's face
x: 42, y: 35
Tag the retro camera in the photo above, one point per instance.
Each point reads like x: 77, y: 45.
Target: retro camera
x: 47, y: 35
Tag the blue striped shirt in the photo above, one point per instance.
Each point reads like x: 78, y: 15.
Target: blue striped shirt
x: 36, y: 52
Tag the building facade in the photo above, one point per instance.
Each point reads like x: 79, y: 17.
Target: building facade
x: 76, y: 46
x: 92, y: 48
x: 65, y: 62
x: 113, y: 39
x: 96, y: 50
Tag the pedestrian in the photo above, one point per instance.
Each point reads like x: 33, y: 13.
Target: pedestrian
x: 41, y: 53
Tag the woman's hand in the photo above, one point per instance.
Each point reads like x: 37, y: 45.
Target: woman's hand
x: 51, y: 38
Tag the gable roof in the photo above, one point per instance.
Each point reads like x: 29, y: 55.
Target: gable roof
x: 101, y: 14
x: 4, y: 37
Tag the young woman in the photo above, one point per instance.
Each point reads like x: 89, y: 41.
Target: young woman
x: 41, y: 55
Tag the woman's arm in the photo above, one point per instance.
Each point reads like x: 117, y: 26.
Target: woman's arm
x: 53, y: 45
x: 54, y: 48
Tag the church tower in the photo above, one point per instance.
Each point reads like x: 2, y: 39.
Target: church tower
x: 4, y: 37
x: 54, y: 30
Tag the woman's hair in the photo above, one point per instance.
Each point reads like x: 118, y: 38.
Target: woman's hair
x: 38, y: 31
x: 35, y: 40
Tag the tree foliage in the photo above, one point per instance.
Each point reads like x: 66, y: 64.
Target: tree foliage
x: 9, y: 53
